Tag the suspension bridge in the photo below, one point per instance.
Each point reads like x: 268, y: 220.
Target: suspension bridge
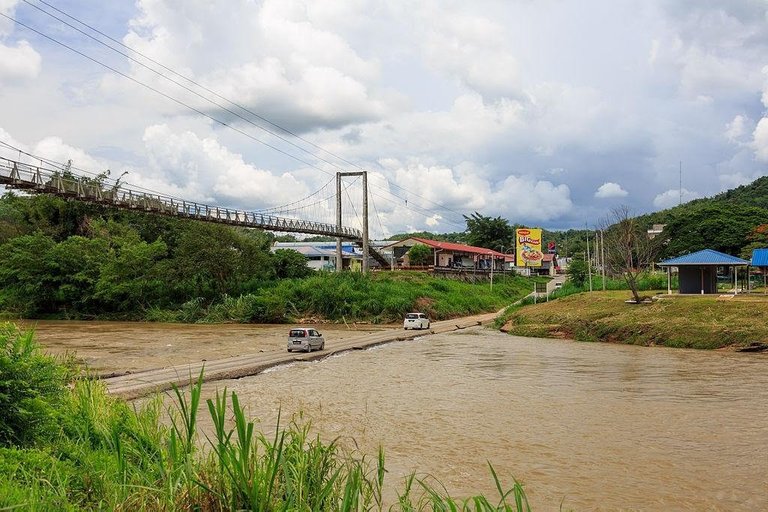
x: 48, y: 179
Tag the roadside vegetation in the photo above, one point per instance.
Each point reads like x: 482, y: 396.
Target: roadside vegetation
x: 353, y: 297
x: 702, y: 322
x: 66, y: 445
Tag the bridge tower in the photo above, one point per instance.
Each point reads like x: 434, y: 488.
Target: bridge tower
x: 364, y: 174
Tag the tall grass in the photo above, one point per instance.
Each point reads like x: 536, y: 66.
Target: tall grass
x: 105, y: 455
x: 375, y: 298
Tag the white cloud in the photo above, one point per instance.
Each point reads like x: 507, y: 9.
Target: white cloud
x: 203, y: 169
x: 272, y: 57
x: 7, y: 7
x: 672, y: 198
x: 19, y: 63
x: 736, y: 129
x: 475, y: 50
x: 760, y: 143
x: 527, y: 199
x: 609, y: 190
x: 433, y: 221
x: 737, y: 179
x: 54, y: 148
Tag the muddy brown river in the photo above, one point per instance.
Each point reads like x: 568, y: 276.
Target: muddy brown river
x: 591, y: 426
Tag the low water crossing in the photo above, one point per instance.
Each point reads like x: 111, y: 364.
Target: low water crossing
x: 594, y: 426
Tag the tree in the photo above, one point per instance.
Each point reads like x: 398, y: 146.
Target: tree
x: 578, y: 271
x: 628, y: 249
x: 130, y: 278
x: 758, y: 239
x: 26, y: 282
x: 491, y: 233
x: 289, y: 264
x: 419, y: 255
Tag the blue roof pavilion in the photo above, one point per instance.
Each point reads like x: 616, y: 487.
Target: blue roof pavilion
x: 697, y: 272
x: 760, y: 258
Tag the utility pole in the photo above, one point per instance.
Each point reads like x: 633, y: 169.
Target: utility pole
x: 589, y: 264
x: 602, y: 248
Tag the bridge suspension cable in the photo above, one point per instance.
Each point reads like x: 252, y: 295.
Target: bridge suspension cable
x: 386, y: 190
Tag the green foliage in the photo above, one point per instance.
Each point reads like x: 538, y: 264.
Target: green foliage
x: 27, y: 285
x: 491, y: 233
x: 290, y: 264
x: 722, y: 227
x: 33, y: 389
x: 578, y: 271
x: 419, y: 255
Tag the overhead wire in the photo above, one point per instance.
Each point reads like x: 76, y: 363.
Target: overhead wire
x: 283, y: 129
x: 204, y: 114
x: 232, y: 112
x: 167, y: 96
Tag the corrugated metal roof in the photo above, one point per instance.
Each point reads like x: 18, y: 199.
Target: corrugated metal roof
x: 705, y: 257
x: 760, y: 258
x: 450, y: 246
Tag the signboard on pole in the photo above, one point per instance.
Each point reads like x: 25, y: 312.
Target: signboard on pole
x: 528, y: 247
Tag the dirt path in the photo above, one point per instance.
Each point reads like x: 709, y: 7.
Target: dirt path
x: 141, y: 383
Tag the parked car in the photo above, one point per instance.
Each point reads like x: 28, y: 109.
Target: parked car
x: 306, y: 339
x: 416, y: 321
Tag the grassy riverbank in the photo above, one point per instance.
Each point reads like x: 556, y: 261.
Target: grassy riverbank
x: 705, y: 322
x: 353, y: 297
x: 71, y: 447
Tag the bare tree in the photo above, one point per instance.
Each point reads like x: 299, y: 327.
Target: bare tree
x: 628, y: 248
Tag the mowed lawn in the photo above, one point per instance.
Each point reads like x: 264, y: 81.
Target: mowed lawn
x: 678, y: 321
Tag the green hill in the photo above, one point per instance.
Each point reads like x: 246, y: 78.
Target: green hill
x: 728, y: 222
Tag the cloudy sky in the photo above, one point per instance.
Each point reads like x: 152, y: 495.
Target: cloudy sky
x: 548, y: 113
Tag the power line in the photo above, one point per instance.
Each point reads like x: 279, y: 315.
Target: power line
x: 271, y: 123
x: 198, y: 111
x: 232, y: 112
x: 165, y: 95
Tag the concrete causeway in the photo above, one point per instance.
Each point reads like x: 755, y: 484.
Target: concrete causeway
x: 139, y: 384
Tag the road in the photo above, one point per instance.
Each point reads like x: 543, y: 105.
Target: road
x: 138, y: 384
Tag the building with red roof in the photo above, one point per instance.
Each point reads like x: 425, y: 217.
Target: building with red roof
x: 447, y: 254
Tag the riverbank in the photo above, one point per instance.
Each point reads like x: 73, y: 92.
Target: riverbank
x: 703, y: 322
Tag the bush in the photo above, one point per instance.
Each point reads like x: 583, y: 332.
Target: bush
x: 33, y: 389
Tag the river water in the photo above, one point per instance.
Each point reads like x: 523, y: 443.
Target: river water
x: 592, y: 426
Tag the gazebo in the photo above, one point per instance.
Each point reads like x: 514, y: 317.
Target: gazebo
x: 697, y: 272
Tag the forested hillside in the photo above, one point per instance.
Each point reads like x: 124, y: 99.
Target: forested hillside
x: 734, y: 222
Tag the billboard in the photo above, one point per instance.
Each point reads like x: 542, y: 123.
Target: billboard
x: 528, y: 247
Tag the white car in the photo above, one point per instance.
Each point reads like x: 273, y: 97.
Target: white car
x: 306, y: 339
x: 416, y: 321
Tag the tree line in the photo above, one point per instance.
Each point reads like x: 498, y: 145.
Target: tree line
x: 73, y: 259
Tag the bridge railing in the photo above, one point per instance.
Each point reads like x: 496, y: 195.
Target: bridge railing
x: 42, y: 180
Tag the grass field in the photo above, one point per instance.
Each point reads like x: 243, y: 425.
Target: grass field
x: 678, y: 321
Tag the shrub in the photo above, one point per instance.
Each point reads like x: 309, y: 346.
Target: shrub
x: 33, y: 388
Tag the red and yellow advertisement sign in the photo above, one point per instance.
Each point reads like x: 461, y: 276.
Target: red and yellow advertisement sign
x: 528, y: 247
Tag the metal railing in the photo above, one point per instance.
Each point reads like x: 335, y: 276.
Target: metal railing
x: 62, y: 183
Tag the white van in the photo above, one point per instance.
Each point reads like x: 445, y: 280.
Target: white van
x: 305, y: 338
x: 416, y: 321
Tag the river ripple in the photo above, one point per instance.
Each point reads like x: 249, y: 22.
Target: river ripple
x: 595, y: 426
